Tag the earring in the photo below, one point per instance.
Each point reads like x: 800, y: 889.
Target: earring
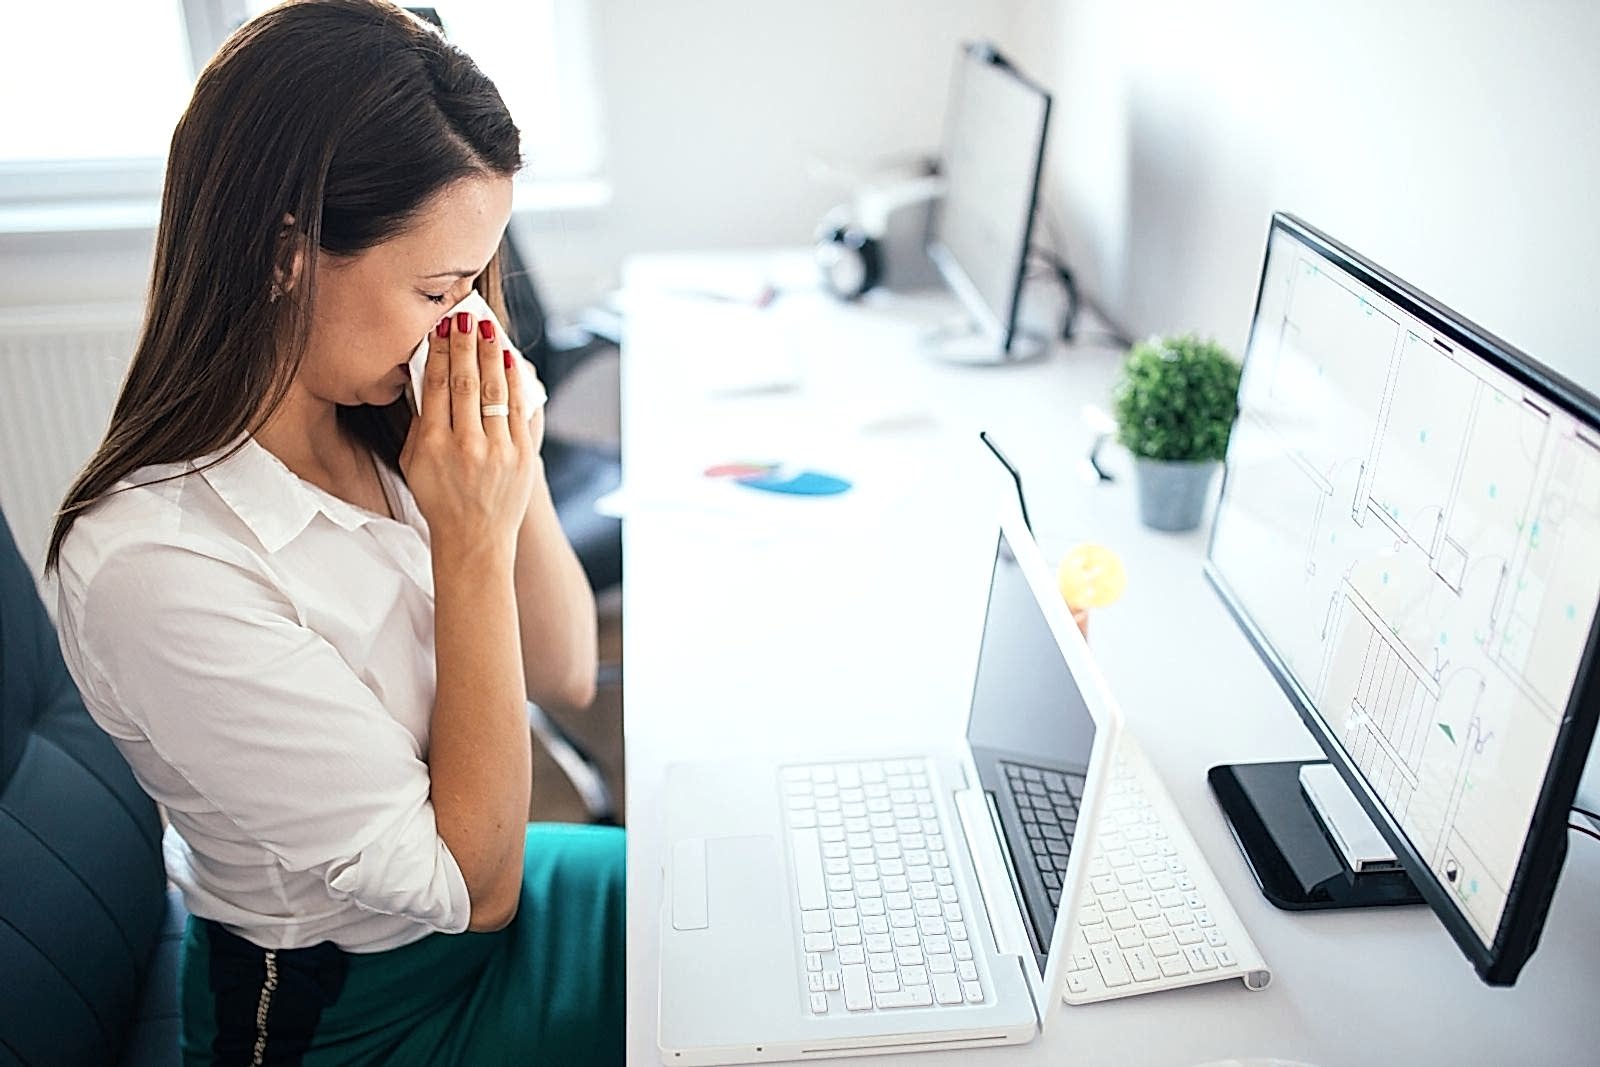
x: 276, y: 292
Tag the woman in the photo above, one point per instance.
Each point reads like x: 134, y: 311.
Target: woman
x: 309, y: 619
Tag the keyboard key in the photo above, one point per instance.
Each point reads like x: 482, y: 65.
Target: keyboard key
x: 879, y: 943
x: 1103, y: 884
x: 814, y: 981
x: 848, y: 935
x: 1203, y: 919
x: 887, y: 982
x: 1214, y: 938
x: 1200, y: 958
x: 946, y: 990
x: 841, y: 900
x: 912, y: 997
x: 911, y: 956
x: 846, y: 917
x: 906, y: 938
x: 1097, y: 933
x: 1144, y: 909
x: 1113, y: 971
x: 819, y: 1003
x: 818, y: 943
x: 857, y: 997
x: 958, y: 931
x: 1173, y: 966
x: 941, y: 964
x: 1225, y: 957
x: 813, y: 961
x: 936, y: 945
x: 1075, y: 982
x: 1188, y: 935
x: 1152, y: 928
x: 1159, y: 946
x: 973, y: 991
x: 1129, y: 938
x: 808, y: 869
x: 873, y: 920
x: 855, y: 954
x: 931, y: 926
x: 914, y: 975
x: 968, y: 971
x: 1119, y: 920
x: 830, y: 981
x: 963, y: 950
x: 880, y: 962
x: 1142, y: 965
x: 814, y: 922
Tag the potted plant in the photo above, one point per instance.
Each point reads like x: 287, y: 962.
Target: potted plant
x: 1175, y: 404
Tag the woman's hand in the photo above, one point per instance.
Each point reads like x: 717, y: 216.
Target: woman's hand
x: 472, y: 474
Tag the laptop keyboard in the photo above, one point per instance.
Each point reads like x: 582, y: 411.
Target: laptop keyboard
x: 883, y: 923
x: 1047, y: 802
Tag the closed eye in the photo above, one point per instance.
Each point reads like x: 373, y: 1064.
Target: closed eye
x: 437, y: 299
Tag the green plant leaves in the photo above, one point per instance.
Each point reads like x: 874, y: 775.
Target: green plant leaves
x: 1177, y: 399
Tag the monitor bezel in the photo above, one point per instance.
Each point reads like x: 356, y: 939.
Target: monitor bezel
x: 944, y: 260
x: 1544, y: 849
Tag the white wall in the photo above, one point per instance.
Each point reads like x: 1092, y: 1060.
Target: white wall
x: 712, y: 109
x: 1454, y: 143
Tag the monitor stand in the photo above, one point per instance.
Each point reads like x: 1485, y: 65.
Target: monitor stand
x: 961, y: 341
x: 1284, y: 839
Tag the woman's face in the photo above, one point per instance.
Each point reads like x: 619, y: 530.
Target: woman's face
x: 371, y: 309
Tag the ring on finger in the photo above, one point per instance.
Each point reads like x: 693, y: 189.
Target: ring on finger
x: 492, y: 410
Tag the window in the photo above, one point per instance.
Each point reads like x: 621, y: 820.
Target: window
x: 111, y: 108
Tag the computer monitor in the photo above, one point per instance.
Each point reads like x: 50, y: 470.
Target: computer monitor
x: 978, y: 233
x: 1409, y: 533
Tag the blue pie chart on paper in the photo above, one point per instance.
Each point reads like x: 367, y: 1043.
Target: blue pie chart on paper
x: 797, y: 483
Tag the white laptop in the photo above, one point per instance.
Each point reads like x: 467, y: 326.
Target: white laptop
x: 870, y: 902
x: 932, y: 898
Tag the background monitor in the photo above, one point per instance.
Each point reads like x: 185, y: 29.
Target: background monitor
x: 991, y: 159
x: 1409, y: 533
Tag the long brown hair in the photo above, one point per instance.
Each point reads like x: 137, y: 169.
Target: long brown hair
x: 346, y: 115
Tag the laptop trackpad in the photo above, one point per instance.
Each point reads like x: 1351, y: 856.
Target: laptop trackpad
x: 735, y: 978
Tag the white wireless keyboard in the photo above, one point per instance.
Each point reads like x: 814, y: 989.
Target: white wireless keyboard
x: 1152, y: 916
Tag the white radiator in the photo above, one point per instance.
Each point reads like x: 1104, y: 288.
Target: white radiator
x: 60, y: 371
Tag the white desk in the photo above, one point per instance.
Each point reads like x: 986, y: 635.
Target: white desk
x: 754, y: 623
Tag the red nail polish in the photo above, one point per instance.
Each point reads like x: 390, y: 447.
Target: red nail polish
x: 508, y: 359
x: 486, y: 329
x: 443, y: 329
x: 463, y: 322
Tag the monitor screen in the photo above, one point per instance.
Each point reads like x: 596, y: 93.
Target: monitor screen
x: 1031, y: 735
x: 991, y: 159
x: 1410, y: 533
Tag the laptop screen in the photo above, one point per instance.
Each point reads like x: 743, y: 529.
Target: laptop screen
x: 1030, y: 733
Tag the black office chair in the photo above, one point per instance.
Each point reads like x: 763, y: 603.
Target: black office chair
x: 579, y: 474
x: 89, y: 932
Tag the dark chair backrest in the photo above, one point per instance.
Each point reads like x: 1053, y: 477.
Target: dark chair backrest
x: 82, y: 890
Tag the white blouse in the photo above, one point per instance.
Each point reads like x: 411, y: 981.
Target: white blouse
x: 262, y: 653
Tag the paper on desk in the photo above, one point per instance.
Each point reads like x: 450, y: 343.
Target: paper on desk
x: 740, y: 348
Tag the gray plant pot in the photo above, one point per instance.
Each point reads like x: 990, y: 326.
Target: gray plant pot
x: 1172, y: 493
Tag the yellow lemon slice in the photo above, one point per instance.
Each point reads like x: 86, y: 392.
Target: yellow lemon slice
x: 1091, y: 576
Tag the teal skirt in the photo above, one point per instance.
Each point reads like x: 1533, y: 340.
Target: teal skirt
x: 549, y: 988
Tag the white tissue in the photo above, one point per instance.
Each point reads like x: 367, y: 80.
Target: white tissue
x: 533, y: 392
